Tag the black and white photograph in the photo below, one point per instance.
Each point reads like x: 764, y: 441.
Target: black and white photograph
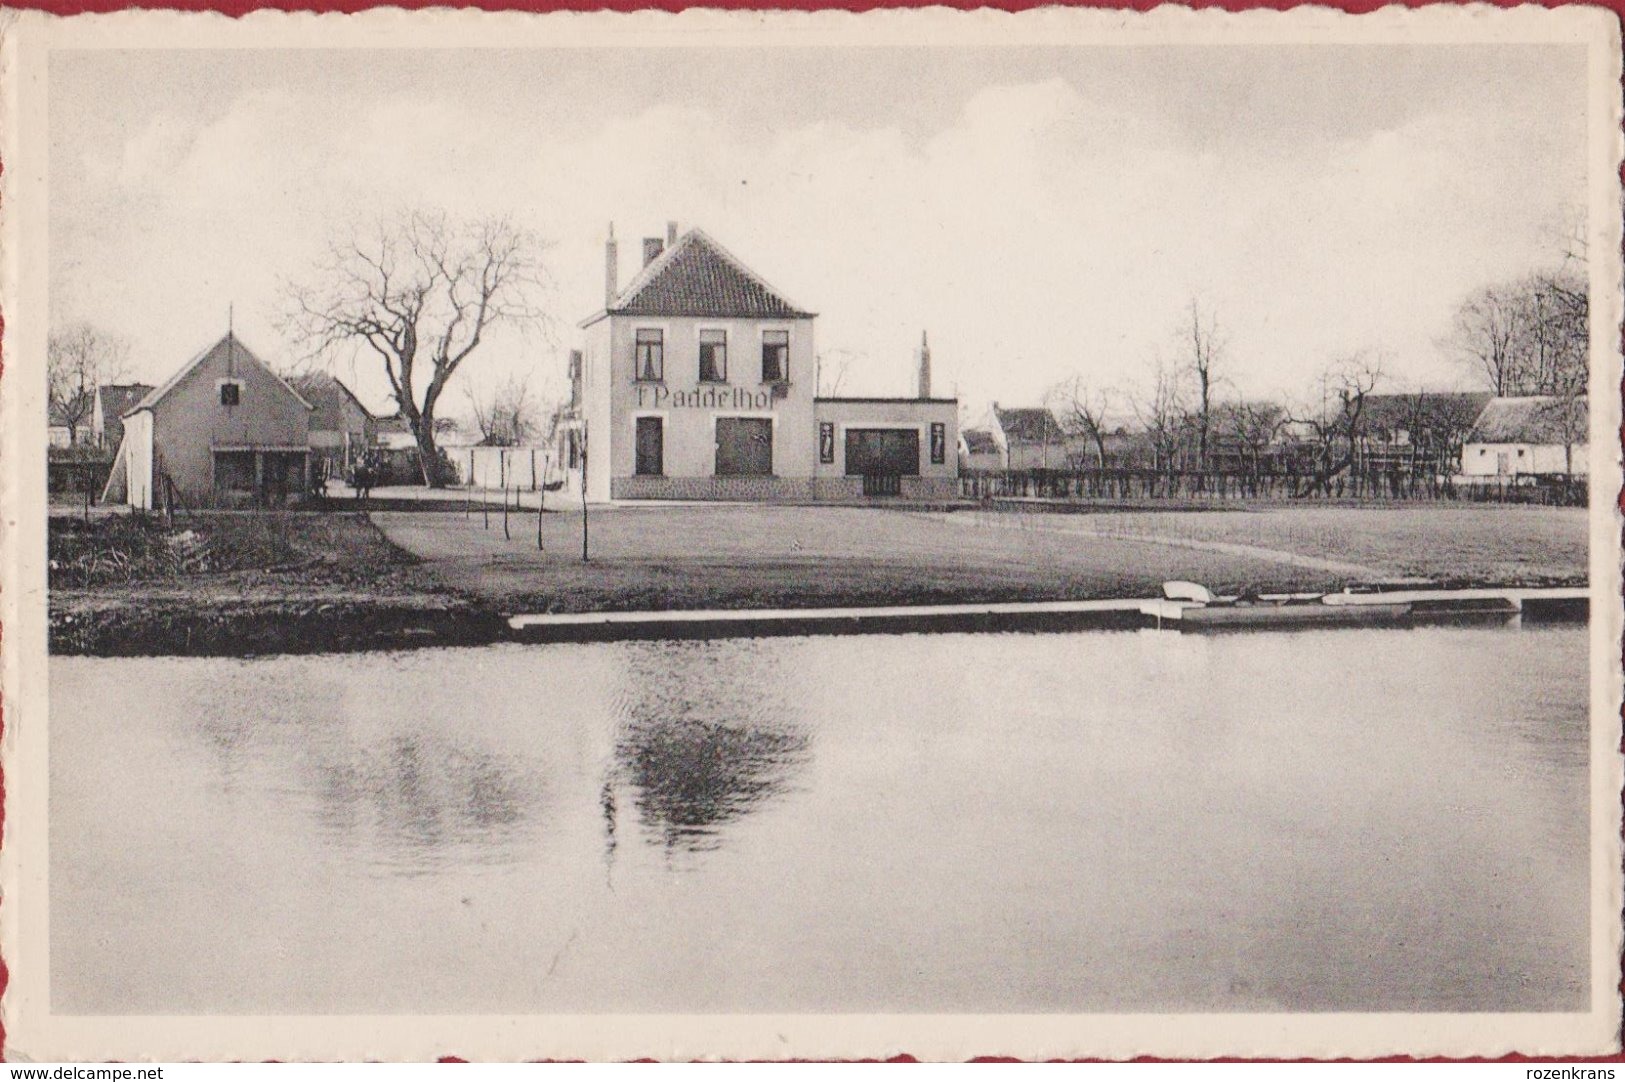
x: 772, y: 535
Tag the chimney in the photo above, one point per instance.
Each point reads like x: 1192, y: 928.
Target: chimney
x: 925, y: 367
x: 671, y: 234
x: 651, y: 249
x: 612, y: 268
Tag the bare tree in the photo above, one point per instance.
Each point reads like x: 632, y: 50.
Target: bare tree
x: 1161, y: 409
x: 507, y: 415
x: 1081, y: 410
x: 1488, y: 327
x: 1254, y: 426
x: 833, y: 367
x: 1528, y: 337
x: 1206, y: 352
x: 1336, y: 418
x: 79, y: 358
x: 420, y: 292
x: 1564, y: 324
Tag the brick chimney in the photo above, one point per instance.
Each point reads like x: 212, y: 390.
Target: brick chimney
x: 652, y: 247
x: 671, y: 234
x: 612, y: 268
x: 925, y: 366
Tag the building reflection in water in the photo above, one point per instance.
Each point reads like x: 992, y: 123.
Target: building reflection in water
x: 705, y: 736
x: 415, y: 802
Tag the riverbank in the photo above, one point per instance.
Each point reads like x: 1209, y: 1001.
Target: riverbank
x: 300, y: 583
x: 240, y: 584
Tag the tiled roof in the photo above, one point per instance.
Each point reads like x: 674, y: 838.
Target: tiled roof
x: 1027, y: 425
x: 698, y: 277
x: 1536, y: 419
x: 979, y: 441
x: 329, y: 395
x: 117, y: 398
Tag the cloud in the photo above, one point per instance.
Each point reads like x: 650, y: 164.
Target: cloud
x: 1038, y: 232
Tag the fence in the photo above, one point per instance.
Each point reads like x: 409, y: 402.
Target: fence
x: 522, y: 468
x: 1145, y: 484
x: 75, y: 471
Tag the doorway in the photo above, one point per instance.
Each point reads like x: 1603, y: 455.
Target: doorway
x: 651, y: 447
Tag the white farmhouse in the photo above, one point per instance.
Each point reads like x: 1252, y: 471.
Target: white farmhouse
x: 1532, y: 436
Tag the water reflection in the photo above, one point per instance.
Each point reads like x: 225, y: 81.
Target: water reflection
x: 406, y: 793
x: 706, y: 736
x: 1339, y: 820
x: 419, y: 800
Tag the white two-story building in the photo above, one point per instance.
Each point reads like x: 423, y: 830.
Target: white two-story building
x: 698, y: 381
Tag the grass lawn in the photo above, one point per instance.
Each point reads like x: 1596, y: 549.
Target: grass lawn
x: 733, y: 556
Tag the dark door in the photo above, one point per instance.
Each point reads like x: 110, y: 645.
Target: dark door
x: 651, y: 443
x: 744, y: 447
x: 872, y: 452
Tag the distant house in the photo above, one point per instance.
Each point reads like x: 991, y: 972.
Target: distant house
x: 223, y: 429
x: 69, y: 426
x: 1028, y: 438
x: 979, y: 451
x: 113, y: 401
x: 58, y: 432
x: 341, y: 428
x: 1533, y: 436
x: 1125, y: 449
x: 1420, y: 431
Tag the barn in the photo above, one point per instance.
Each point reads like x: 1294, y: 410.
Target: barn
x: 223, y: 430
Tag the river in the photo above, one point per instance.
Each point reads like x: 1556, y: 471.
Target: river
x: 1361, y: 820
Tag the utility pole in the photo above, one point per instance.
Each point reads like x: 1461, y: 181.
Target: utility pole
x: 584, y: 558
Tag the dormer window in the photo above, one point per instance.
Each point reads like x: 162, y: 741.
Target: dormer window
x: 713, y: 356
x: 231, y: 392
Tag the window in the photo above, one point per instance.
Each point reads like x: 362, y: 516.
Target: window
x: 744, y: 447
x: 651, y: 356
x: 231, y: 393
x: 713, y: 356
x: 826, y: 442
x: 775, y: 356
x: 939, y: 443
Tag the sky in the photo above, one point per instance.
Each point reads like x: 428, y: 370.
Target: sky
x: 1043, y: 213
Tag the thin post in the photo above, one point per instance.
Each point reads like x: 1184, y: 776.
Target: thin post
x: 485, y: 505
x: 506, y: 536
x: 541, y: 500
x: 584, y: 496
x: 84, y: 480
